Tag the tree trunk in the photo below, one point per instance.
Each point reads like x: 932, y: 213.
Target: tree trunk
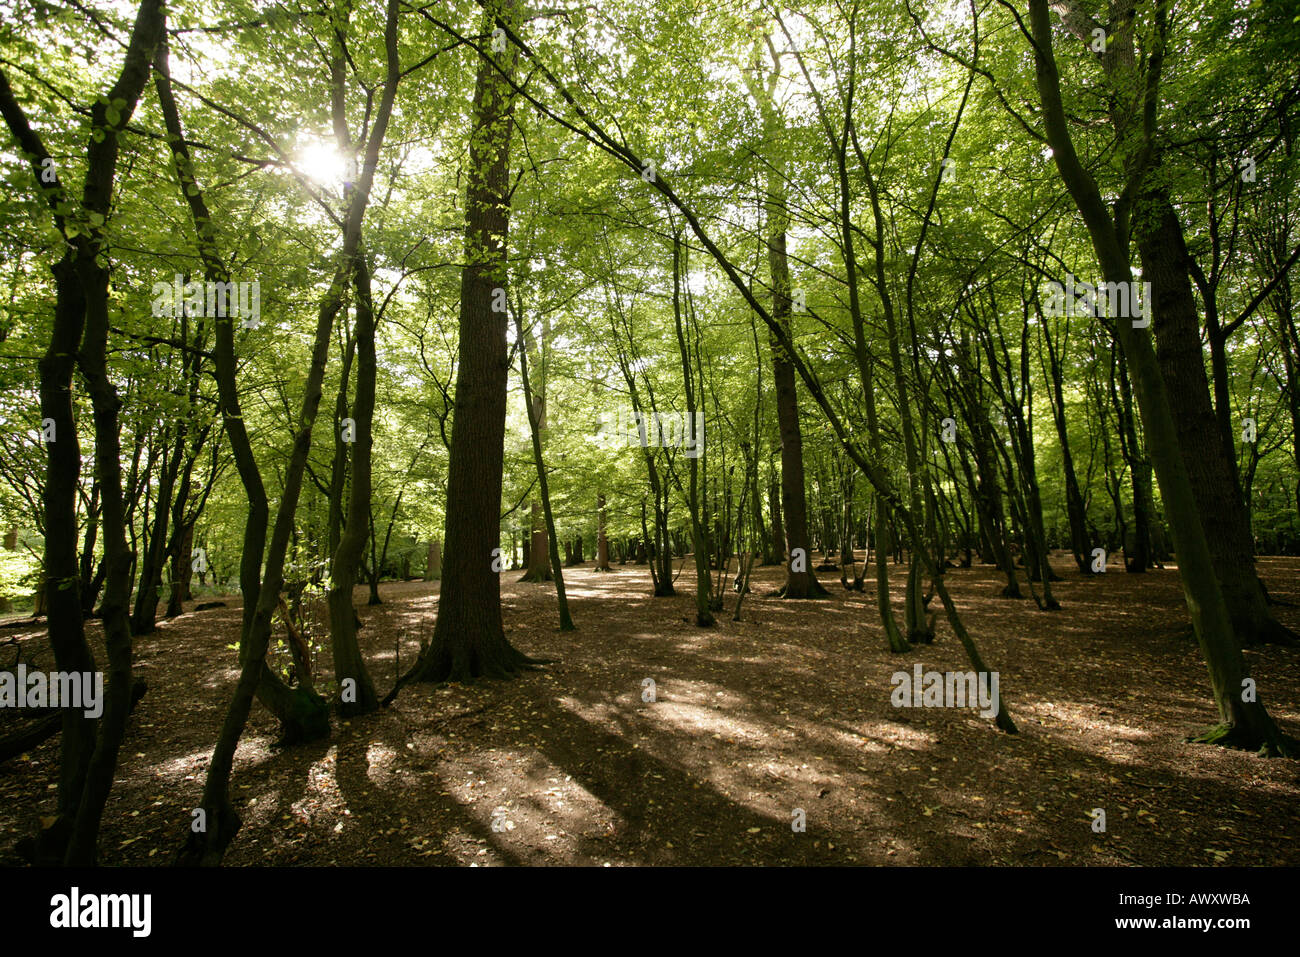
x: 1212, y: 473
x: 433, y: 561
x: 144, y: 616
x: 1138, y: 556
x: 89, y: 581
x: 469, y: 638
x: 778, y: 527
x: 355, y: 689
x: 800, y: 580
x: 535, y: 407
x: 703, y: 581
x: 182, y: 572
x: 602, y: 543
x: 83, y: 847
x: 88, y: 760
x: 538, y: 561
x: 1080, y: 546
x: 1244, y: 723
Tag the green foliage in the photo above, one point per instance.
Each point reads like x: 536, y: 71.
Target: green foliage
x: 591, y: 246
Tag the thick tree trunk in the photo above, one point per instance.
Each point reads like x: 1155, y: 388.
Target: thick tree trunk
x: 469, y: 638
x: 539, y: 547
x: 1212, y: 473
x: 64, y: 612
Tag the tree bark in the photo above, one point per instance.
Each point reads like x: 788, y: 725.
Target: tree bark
x: 469, y: 638
x: 433, y: 561
x: 1243, y: 723
x: 356, y: 692
x: 535, y: 433
x: 1212, y: 473
x: 794, y: 506
x: 602, y: 543
x: 80, y: 333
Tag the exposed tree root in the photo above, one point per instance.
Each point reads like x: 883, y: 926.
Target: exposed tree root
x: 207, y: 848
x: 1243, y: 739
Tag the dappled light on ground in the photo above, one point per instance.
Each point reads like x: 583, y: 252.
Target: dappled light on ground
x: 752, y: 726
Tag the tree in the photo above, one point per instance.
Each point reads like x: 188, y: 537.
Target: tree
x: 1243, y: 723
x: 469, y: 639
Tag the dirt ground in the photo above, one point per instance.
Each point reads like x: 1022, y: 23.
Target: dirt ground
x: 787, y: 709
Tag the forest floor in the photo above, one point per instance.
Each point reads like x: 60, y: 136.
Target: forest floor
x: 787, y: 709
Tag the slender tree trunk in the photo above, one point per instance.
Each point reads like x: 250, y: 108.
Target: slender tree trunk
x: 602, y: 543
x: 534, y: 430
x: 1080, y: 546
x: 221, y: 822
x: 355, y: 689
x: 433, y: 561
x: 144, y: 616
x: 1139, y: 560
x: 703, y: 582
x: 1245, y: 723
x: 778, y: 527
x: 339, y: 463
x: 800, y: 580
